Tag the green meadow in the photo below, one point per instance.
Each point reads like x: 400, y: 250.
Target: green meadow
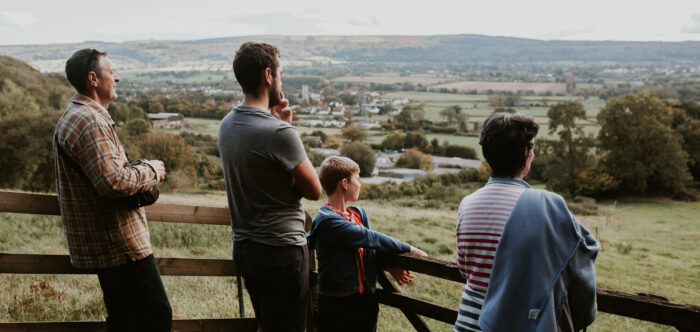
x: 648, y: 245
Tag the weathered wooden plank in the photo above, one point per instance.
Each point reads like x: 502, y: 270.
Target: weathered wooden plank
x: 417, y: 321
x: 60, y: 264
x: 179, y: 325
x: 48, y: 204
x: 188, y: 214
x: 416, y: 306
x: 684, y: 317
x: 425, y: 265
x: 28, y: 203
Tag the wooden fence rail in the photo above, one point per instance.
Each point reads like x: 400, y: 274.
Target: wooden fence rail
x: 652, y: 308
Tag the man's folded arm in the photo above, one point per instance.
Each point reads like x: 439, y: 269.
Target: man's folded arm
x: 307, y: 180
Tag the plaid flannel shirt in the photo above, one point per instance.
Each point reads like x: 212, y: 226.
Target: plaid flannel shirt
x: 98, y: 235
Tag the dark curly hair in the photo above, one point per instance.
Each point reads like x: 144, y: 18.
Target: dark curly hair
x: 250, y: 60
x: 506, y: 139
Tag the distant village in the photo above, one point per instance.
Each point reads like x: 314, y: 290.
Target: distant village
x: 318, y: 114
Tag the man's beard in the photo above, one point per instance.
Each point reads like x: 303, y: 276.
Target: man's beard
x: 273, y: 97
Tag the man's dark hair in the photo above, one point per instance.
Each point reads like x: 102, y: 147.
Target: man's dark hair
x: 250, y: 60
x: 506, y: 139
x: 80, y: 64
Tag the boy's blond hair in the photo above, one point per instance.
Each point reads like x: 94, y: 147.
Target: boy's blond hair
x: 334, y: 169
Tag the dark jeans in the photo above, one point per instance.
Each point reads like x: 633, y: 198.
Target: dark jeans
x: 348, y: 313
x: 135, y: 297
x: 277, y: 280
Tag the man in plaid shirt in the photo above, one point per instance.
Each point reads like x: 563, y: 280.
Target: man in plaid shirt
x: 92, y: 170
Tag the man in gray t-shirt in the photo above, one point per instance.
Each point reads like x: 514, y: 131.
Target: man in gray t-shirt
x: 267, y: 173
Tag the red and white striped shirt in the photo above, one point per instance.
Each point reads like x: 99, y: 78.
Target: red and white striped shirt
x: 480, y: 221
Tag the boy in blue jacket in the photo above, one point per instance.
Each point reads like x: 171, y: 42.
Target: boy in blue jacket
x: 345, y: 248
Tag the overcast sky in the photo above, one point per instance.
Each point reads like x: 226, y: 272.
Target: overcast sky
x: 67, y: 21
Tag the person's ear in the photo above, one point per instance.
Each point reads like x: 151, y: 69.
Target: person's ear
x: 268, y: 75
x: 92, y: 79
x: 344, y: 184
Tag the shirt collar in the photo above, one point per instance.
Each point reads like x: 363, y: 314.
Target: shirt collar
x: 87, y: 101
x: 250, y: 109
x: 513, y: 181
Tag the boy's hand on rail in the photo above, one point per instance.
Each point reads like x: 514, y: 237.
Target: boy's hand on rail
x: 401, y: 276
x: 417, y: 252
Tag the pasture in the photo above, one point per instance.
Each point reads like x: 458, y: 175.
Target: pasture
x: 648, y: 245
x: 392, y: 78
x: 482, y: 87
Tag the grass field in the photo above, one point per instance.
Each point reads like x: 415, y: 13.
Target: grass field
x: 648, y: 245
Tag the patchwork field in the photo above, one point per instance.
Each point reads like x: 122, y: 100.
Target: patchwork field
x: 423, y: 79
x: 482, y: 87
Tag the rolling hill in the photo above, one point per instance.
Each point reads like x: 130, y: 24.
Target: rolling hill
x: 440, y: 49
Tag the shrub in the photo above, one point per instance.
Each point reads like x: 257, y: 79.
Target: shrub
x: 459, y: 151
x: 596, y: 182
x: 136, y: 127
x: 316, y: 158
x: 362, y: 154
x: 354, y: 133
x: 413, y: 158
x: 393, y: 141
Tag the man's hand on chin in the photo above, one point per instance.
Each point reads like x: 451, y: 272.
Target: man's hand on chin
x: 282, y: 110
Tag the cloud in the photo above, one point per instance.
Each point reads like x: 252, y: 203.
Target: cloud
x: 17, y: 19
x: 282, y: 23
x: 694, y: 26
x: 373, y: 21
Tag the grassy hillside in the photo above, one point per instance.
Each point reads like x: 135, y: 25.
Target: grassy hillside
x: 649, y: 245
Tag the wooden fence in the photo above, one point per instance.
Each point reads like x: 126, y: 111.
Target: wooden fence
x: 650, y: 308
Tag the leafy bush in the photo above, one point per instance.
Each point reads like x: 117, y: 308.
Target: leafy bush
x: 315, y: 158
x: 415, y: 159
x: 459, y: 151
x: 136, y: 127
x: 362, y: 154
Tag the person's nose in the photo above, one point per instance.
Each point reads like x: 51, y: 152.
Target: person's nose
x: 116, y: 77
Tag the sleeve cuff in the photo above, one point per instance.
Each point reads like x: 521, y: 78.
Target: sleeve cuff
x: 154, y: 170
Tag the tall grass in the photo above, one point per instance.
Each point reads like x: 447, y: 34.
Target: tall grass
x: 648, y: 246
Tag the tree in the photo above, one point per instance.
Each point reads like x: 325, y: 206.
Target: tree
x: 569, y: 155
x: 639, y: 147
x: 354, y: 133
x: 321, y: 134
x: 171, y: 149
x: 415, y: 139
x: 454, y: 115
x: 349, y: 99
x: 329, y: 93
x: 410, y: 117
x: 26, y: 150
x: 686, y: 122
x: 362, y: 154
x: 393, y: 141
x: 137, y: 127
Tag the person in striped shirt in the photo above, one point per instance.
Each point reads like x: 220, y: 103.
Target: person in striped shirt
x: 510, y: 235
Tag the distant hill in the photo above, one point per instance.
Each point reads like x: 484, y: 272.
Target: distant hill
x: 440, y: 49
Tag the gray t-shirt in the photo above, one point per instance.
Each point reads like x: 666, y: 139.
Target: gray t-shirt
x: 258, y: 152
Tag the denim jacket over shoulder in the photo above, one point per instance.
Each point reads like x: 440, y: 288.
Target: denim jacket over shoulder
x: 544, y: 256
x: 336, y: 241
